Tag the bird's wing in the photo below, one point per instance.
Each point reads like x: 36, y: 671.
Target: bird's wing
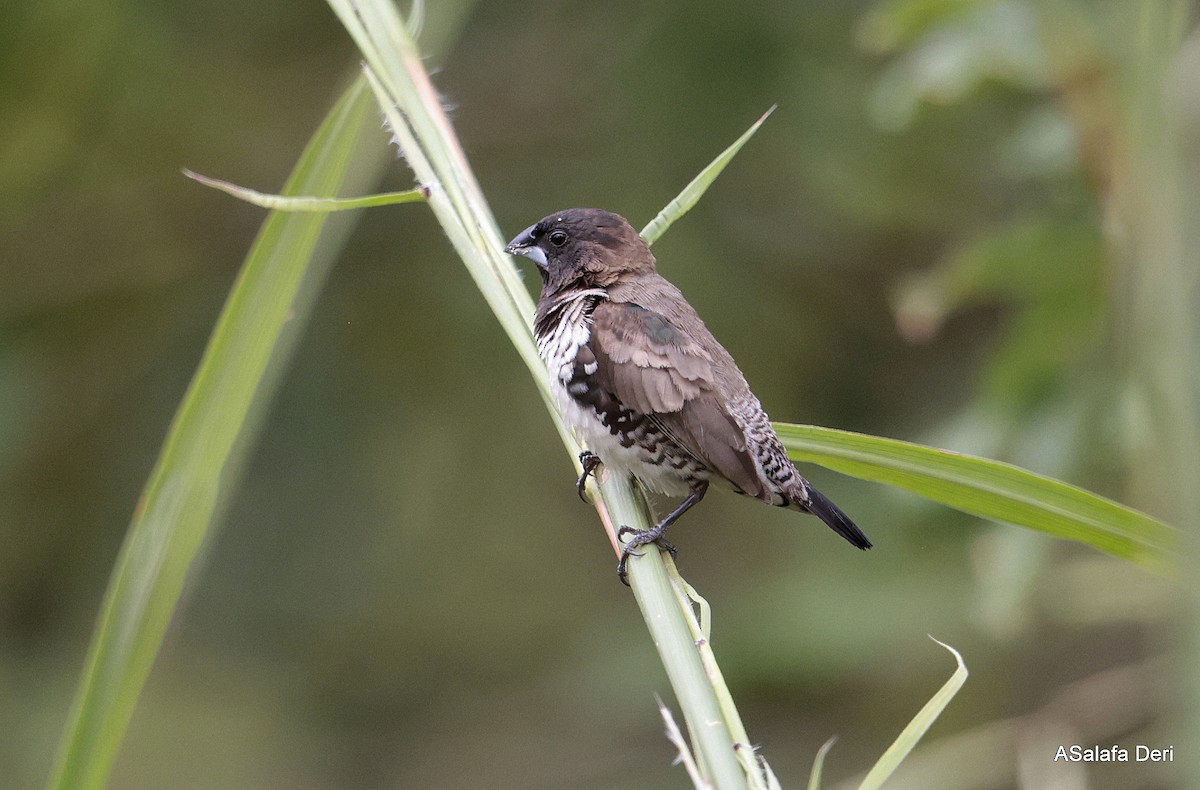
x: 653, y: 368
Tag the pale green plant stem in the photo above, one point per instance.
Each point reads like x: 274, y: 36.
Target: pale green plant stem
x: 674, y: 638
x: 428, y: 143
x: 698, y: 615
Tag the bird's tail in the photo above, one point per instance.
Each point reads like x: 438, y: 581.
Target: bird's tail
x: 820, y: 506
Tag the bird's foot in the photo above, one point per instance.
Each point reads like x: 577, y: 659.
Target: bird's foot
x: 590, y: 461
x: 640, y: 537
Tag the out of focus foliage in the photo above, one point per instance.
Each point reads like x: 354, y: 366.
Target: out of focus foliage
x: 929, y: 240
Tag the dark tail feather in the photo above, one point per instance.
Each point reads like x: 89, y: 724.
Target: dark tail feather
x: 820, y: 506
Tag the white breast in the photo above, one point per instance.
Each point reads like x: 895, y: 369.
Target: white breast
x: 558, y: 349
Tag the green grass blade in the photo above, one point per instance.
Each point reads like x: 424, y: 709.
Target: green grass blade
x: 198, y: 459
x: 684, y: 201
x: 814, y: 779
x: 990, y: 489
x: 310, y: 203
x: 773, y: 782
x: 675, y: 736
x: 916, y: 728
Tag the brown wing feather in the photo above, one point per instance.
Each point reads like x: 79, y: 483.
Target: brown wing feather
x: 652, y: 368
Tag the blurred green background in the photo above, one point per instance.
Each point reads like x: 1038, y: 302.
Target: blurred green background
x: 931, y: 239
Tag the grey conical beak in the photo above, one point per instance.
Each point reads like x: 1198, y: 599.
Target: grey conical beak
x: 524, y: 244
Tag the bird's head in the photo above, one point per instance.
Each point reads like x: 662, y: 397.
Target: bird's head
x: 583, y: 248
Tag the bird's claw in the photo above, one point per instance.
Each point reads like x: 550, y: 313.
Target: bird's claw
x: 590, y: 461
x: 640, y: 537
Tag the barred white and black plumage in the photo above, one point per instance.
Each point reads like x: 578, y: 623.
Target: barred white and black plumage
x: 641, y: 379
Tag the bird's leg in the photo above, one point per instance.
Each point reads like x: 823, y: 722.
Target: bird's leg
x: 590, y: 461
x: 640, y: 537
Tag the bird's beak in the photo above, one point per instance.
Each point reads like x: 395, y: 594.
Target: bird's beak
x: 524, y: 244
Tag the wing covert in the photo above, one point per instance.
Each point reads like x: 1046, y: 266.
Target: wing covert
x: 650, y: 366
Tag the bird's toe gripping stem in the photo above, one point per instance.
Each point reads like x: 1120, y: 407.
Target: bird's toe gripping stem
x: 590, y: 461
x: 640, y: 537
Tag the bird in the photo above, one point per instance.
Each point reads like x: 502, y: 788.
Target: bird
x: 644, y: 384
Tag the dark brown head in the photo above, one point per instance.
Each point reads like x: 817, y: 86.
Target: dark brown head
x: 583, y: 248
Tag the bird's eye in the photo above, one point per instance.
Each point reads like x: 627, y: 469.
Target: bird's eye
x: 558, y: 238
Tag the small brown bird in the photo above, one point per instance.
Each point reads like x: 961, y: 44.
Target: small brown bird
x: 644, y: 384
